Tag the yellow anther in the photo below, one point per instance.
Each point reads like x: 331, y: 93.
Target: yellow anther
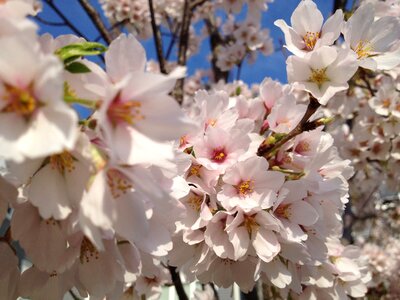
x: 310, y: 39
x: 63, y: 162
x: 318, y: 76
x: 19, y: 101
x: 245, y: 188
x: 363, y: 49
x: 119, y: 184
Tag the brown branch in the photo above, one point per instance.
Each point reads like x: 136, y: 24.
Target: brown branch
x: 96, y: 20
x: 196, y: 3
x: 177, y: 283
x: 215, y: 40
x: 157, y: 39
x: 182, y: 49
x: 268, y: 150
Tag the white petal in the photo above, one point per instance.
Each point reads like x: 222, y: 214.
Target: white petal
x: 125, y: 55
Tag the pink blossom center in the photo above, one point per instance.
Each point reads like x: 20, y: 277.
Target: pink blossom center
x: 219, y: 155
x: 127, y: 112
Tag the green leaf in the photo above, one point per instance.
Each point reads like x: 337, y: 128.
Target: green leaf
x: 74, y: 51
x: 77, y: 67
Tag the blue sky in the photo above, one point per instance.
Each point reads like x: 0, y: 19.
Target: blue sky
x: 270, y: 66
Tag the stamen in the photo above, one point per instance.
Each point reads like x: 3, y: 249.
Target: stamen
x: 88, y: 251
x: 245, y: 187
x: 302, y: 147
x: 195, y: 170
x: 284, y: 211
x: 195, y: 201
x: 119, y: 184
x: 125, y: 112
x: 363, y: 49
x: 219, y: 155
x: 20, y: 101
x: 310, y: 39
x: 63, y: 162
x: 250, y: 224
x: 318, y: 76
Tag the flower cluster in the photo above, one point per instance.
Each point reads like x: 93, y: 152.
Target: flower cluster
x: 248, y: 218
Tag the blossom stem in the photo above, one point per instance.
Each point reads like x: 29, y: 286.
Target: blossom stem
x: 268, y: 150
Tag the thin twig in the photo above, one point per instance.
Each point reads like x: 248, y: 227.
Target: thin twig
x: 65, y: 19
x: 177, y: 283
x: 113, y: 27
x: 157, y: 39
x: 268, y: 151
x: 50, y: 23
x: 96, y: 20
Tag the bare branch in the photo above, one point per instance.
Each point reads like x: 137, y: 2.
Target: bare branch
x: 65, y: 19
x: 157, y: 39
x: 96, y: 20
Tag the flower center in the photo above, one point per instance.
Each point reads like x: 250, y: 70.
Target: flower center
x: 310, y: 39
x: 19, y: 101
x: 195, y: 170
x: 195, y: 201
x: 219, y: 155
x: 250, y: 224
x: 363, y: 49
x: 88, y: 251
x: 284, y: 211
x: 386, y: 103
x: 63, y: 162
x: 318, y: 76
x: 302, y: 147
x: 127, y: 112
x: 245, y: 187
x: 119, y: 184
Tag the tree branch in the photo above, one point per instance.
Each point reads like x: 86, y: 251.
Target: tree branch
x: 65, y: 19
x: 339, y: 4
x: 182, y: 49
x: 96, y: 20
x: 177, y: 283
x: 268, y: 150
x: 157, y: 39
x: 215, y: 41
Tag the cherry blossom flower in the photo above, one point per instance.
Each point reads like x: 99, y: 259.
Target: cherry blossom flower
x: 31, y: 88
x: 323, y: 72
x: 308, y: 31
x: 374, y: 42
x: 248, y: 185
